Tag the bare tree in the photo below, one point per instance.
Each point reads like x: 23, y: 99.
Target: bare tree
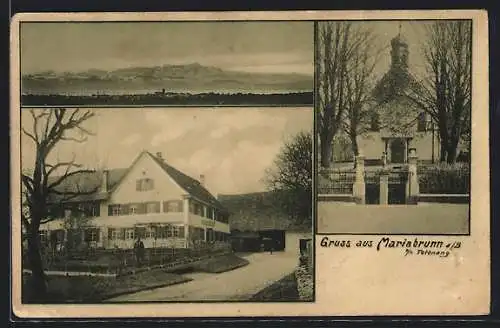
x: 343, y: 69
x: 445, y: 90
x: 42, y: 186
x: 291, y: 178
x: 359, y: 84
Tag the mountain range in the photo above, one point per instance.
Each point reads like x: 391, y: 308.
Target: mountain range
x: 190, y: 78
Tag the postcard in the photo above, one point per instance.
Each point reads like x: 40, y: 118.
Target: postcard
x: 313, y: 163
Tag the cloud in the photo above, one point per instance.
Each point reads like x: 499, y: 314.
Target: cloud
x: 209, y: 123
x: 131, y: 139
x: 242, y: 169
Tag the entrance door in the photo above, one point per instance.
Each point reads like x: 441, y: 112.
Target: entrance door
x: 398, y: 151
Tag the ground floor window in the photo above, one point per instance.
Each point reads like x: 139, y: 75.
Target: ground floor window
x: 92, y: 235
x: 115, y: 234
x: 130, y: 234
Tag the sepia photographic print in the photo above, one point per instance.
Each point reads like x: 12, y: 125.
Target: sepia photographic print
x: 177, y: 204
x: 394, y: 126
x: 166, y: 63
x: 249, y: 164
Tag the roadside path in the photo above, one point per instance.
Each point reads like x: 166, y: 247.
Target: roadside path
x: 239, y: 284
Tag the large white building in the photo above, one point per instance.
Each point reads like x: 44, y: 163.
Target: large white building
x: 151, y: 199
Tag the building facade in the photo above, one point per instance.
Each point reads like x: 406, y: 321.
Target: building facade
x: 150, y: 199
x: 397, y: 126
x: 259, y: 222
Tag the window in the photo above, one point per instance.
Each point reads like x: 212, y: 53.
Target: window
x: 43, y: 236
x: 130, y: 234
x: 375, y: 122
x: 92, y: 235
x: 161, y: 232
x: 133, y: 209
x: 168, y: 230
x: 198, y: 209
x: 144, y: 184
x: 153, y: 207
x: 150, y: 232
x: 88, y: 209
x: 140, y: 232
x: 210, y: 213
x: 115, y: 209
x: 178, y: 231
x: 114, y: 234
x: 422, y: 122
x: 172, y: 206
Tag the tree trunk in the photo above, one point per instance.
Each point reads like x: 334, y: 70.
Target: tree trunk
x: 354, y: 145
x: 452, y: 151
x: 326, y: 152
x: 442, y: 153
x: 37, y: 285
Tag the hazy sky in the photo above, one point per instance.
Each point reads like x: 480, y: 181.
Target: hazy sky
x: 414, y: 34
x: 231, y: 147
x: 245, y: 46
x: 384, y: 31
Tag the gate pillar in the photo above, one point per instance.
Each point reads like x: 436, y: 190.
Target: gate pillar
x: 412, y: 183
x: 358, y: 188
x: 384, y: 187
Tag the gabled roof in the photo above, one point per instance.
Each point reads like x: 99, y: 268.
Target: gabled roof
x: 192, y: 186
x: 87, y: 182
x: 257, y: 211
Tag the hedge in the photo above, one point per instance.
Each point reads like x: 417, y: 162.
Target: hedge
x: 444, y: 178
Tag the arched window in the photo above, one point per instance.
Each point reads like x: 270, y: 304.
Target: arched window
x: 422, y: 122
x: 375, y: 122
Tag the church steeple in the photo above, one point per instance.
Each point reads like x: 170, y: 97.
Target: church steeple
x: 399, y: 52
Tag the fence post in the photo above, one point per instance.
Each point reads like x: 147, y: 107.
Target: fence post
x: 358, y: 189
x: 384, y: 187
x: 412, y: 183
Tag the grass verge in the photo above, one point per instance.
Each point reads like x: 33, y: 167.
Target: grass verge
x: 220, y: 264
x: 86, y: 289
x: 283, y: 290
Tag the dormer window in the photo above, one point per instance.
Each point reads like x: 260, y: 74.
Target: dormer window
x: 144, y: 184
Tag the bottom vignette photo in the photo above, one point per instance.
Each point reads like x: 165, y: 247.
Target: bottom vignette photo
x: 173, y: 205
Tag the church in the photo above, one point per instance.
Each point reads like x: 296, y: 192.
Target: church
x: 396, y: 125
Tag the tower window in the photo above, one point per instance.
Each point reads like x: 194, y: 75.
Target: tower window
x: 422, y: 122
x: 375, y: 122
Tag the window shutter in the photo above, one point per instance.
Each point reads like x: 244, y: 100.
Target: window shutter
x: 110, y: 210
x: 157, y: 207
x: 181, y: 232
x: 165, y: 206
x: 122, y: 233
x: 138, y: 185
x: 110, y: 233
x: 98, y: 234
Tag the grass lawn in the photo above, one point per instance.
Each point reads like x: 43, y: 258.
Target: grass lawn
x: 284, y: 290
x: 86, y: 289
x: 221, y: 264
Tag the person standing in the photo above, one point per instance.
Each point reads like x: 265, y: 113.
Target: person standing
x: 139, y: 251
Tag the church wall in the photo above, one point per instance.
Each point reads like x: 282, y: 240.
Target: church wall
x: 373, y: 146
x: 423, y: 143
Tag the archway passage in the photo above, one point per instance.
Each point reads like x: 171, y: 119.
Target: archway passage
x: 398, y: 151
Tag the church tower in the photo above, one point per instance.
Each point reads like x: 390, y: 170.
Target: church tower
x: 399, y: 52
